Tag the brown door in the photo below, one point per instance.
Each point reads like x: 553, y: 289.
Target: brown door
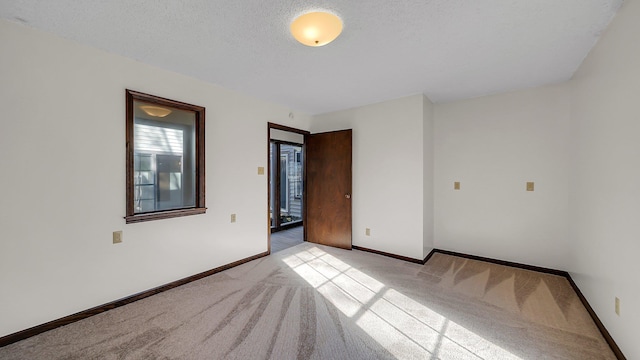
x: 328, y: 190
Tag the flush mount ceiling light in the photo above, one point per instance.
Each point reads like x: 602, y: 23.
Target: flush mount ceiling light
x: 316, y: 28
x: 156, y: 111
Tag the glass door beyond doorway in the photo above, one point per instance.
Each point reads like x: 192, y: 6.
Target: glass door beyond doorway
x: 285, y: 185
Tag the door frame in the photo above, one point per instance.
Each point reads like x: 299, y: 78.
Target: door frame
x: 304, y: 133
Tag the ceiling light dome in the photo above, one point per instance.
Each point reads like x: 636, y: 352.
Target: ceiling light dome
x: 316, y: 28
x: 155, y: 111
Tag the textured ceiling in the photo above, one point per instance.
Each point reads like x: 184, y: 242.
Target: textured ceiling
x: 446, y: 49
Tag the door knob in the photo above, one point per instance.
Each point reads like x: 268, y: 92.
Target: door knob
x: 348, y: 196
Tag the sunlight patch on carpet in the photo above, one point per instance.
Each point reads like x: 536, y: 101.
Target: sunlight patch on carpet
x: 402, y: 325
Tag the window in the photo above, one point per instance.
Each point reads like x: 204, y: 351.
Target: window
x: 165, y: 158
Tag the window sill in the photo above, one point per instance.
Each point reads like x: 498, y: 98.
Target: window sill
x: 164, y: 215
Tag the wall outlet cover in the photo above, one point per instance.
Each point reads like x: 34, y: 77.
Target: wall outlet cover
x: 117, y: 237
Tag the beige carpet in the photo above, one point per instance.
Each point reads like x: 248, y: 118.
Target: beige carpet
x: 286, y: 238
x: 316, y: 302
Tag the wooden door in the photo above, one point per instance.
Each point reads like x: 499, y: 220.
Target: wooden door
x: 328, y: 188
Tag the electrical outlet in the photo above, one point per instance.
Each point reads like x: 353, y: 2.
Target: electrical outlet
x: 456, y: 185
x: 367, y: 232
x: 617, y: 306
x: 233, y: 218
x: 117, y: 237
x: 260, y: 170
x: 530, y: 186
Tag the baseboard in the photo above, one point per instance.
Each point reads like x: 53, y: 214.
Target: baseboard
x: 38, y: 329
x: 429, y: 255
x: 599, y: 324
x: 399, y: 257
x: 505, y: 263
x: 605, y: 333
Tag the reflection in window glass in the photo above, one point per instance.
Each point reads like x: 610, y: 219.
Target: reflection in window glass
x: 164, y: 160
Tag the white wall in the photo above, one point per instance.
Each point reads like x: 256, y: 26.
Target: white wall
x: 387, y: 173
x: 605, y: 196
x: 62, y: 140
x: 427, y: 175
x: 276, y: 134
x: 493, y: 145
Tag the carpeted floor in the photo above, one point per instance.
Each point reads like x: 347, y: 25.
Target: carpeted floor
x: 285, y: 239
x: 316, y: 302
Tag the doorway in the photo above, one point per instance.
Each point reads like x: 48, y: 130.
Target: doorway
x: 309, y: 185
x: 286, y: 182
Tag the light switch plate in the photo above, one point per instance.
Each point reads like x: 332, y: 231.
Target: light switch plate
x: 260, y: 170
x: 233, y: 218
x: 456, y: 185
x: 367, y: 232
x: 117, y: 237
x: 530, y: 186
